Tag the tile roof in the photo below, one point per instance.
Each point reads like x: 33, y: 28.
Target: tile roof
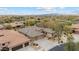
x: 75, y: 26
x: 13, y: 37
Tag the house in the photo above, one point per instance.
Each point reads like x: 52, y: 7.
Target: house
x: 17, y: 24
x: 12, y: 40
x: 6, y: 24
x: 75, y: 28
x: 49, y: 32
x: 76, y: 20
x: 32, y: 32
x: 1, y: 27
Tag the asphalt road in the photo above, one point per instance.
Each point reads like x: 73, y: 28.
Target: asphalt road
x: 58, y: 48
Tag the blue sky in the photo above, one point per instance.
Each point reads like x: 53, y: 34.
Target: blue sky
x: 38, y: 10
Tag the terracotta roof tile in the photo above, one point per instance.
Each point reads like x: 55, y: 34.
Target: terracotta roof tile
x: 14, y: 37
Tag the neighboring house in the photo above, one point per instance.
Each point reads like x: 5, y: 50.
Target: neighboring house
x: 49, y: 32
x: 32, y: 32
x: 17, y: 24
x: 76, y: 20
x: 6, y: 24
x: 14, y: 24
x: 75, y: 28
x: 1, y: 27
x: 12, y: 39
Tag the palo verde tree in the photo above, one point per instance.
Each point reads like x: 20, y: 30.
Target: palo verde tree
x: 70, y: 45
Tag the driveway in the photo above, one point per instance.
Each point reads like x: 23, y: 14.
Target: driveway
x: 44, y: 44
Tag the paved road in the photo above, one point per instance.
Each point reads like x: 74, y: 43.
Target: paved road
x: 58, y: 48
x: 61, y: 47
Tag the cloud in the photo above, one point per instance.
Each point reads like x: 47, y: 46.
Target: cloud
x: 51, y: 9
x: 7, y: 11
x: 48, y: 9
x: 40, y: 10
x: 3, y: 10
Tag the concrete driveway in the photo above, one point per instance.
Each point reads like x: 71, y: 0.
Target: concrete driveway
x: 44, y: 44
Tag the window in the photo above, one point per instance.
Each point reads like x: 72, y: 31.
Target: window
x: 3, y: 44
x: 17, y: 47
x: 5, y: 49
x: 26, y: 44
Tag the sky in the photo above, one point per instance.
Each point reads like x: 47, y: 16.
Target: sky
x: 38, y: 10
